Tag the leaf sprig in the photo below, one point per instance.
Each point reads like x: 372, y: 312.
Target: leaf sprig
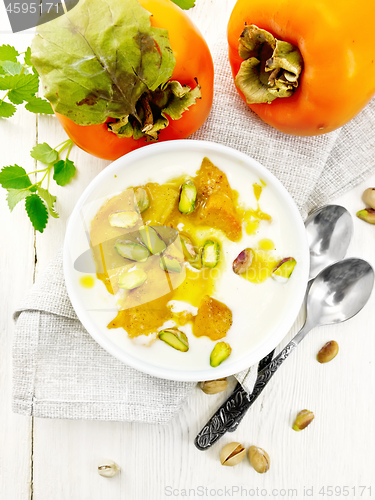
x: 20, y: 82
x: 39, y: 202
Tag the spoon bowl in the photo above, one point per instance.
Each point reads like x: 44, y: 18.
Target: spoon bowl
x: 339, y: 292
x: 329, y: 232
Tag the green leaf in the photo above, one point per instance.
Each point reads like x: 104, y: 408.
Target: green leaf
x: 28, y: 57
x: 23, y: 87
x: 44, y: 153
x: 6, y: 109
x: 185, y: 4
x: 16, y: 195
x: 14, y: 177
x: 64, y: 171
x: 8, y: 82
x: 37, y: 212
x: 8, y: 53
x: 10, y: 68
x: 39, y: 105
x: 99, y: 58
x: 50, y: 200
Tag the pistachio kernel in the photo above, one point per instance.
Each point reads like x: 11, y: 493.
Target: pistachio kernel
x: 232, y: 454
x: 174, y: 338
x: 328, y: 352
x: 259, y: 459
x: 367, y: 214
x: 142, y: 200
x: 214, y: 386
x: 284, y: 269
x: 243, y: 261
x: 303, y: 419
x: 124, y: 219
x: 369, y: 197
x: 220, y: 353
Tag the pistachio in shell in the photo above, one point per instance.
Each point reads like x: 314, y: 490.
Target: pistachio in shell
x: 232, y: 454
x: 214, y: 386
x: 369, y: 197
x: 259, y: 459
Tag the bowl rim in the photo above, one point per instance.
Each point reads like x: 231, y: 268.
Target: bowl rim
x: 169, y: 373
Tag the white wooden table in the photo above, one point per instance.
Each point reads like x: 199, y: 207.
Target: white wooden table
x: 57, y: 459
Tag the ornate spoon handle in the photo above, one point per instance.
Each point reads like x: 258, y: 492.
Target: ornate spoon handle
x: 231, y: 412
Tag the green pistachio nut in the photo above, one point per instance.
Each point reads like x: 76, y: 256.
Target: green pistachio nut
x: 189, y: 252
x: 188, y: 197
x: 284, y: 270
x: 220, y: 353
x: 303, y: 419
x: 132, y: 279
x: 210, y: 253
x: 142, y: 199
x: 152, y: 240
x: 123, y: 219
x: 243, y: 261
x: 132, y: 251
x: 174, y: 338
x: 170, y: 264
x: 367, y: 214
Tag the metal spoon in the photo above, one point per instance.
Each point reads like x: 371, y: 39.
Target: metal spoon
x: 329, y: 232
x: 337, y: 294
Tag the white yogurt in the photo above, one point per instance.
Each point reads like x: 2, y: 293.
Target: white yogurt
x: 262, y: 313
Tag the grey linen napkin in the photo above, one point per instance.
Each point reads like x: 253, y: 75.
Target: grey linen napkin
x: 61, y: 372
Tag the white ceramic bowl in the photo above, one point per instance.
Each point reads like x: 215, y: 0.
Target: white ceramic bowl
x: 263, y: 313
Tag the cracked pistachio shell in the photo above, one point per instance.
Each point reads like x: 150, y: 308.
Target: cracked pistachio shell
x: 108, y: 469
x: 369, y: 197
x: 367, y: 214
x: 328, y: 352
x: 303, y: 419
x: 214, y: 386
x: 259, y: 459
x: 232, y: 454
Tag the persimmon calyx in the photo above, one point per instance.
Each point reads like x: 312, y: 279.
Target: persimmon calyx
x: 271, y: 67
x: 154, y: 109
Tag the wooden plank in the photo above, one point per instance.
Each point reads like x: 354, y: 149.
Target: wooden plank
x: 17, y: 137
